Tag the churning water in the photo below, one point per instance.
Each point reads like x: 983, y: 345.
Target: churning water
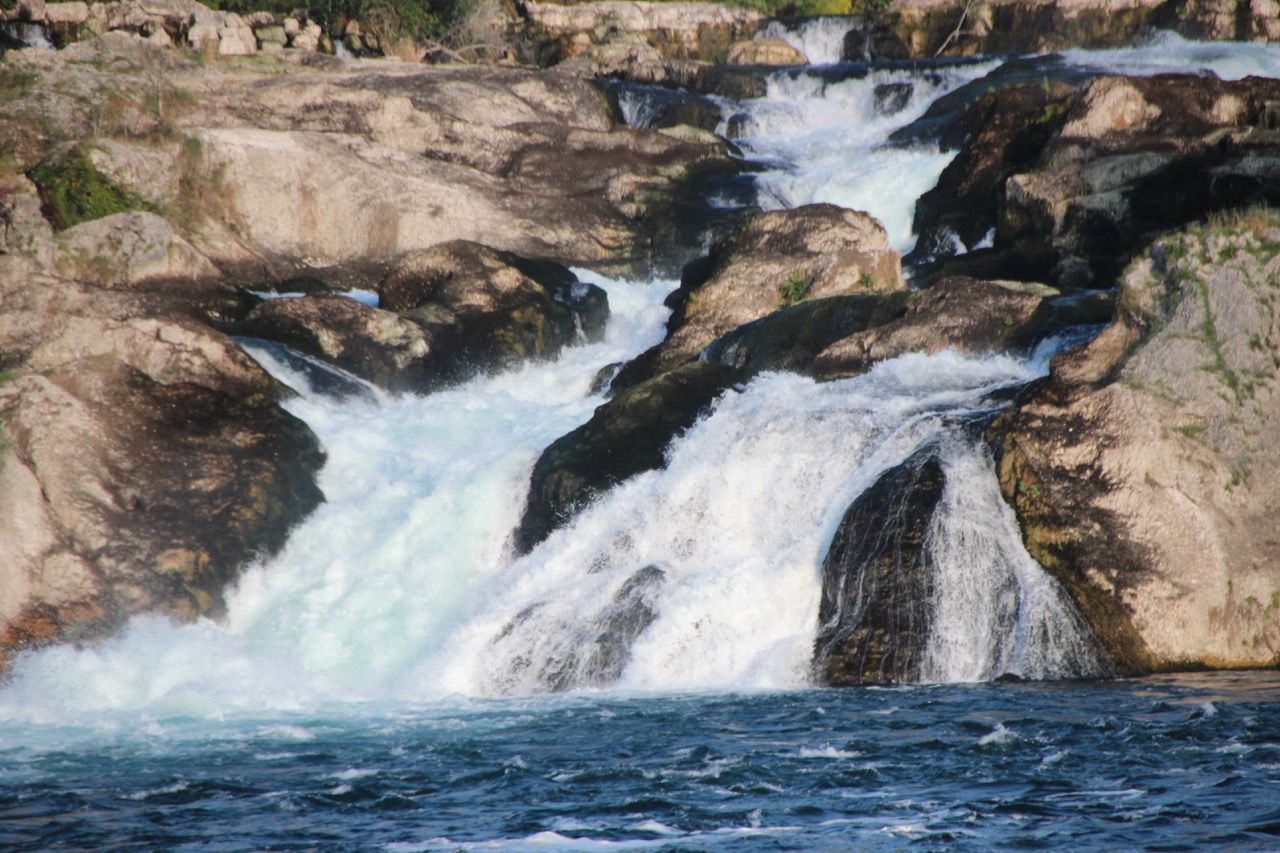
x: 371, y: 687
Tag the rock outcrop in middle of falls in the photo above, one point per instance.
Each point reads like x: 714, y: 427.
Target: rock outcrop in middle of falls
x: 1144, y: 472
x: 877, y: 580
x: 957, y: 313
x: 779, y: 258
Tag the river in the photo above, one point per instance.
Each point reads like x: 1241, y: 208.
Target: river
x: 381, y: 684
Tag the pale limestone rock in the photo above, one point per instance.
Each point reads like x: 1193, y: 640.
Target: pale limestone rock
x: 1112, y: 105
x: 126, y: 249
x: 236, y: 40
x: 1145, y: 474
x: 73, y: 13
x: 765, y: 52
x: 308, y: 37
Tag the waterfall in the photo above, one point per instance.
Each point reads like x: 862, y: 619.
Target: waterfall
x: 995, y: 610
x: 705, y: 574
x: 820, y: 39
x: 825, y: 135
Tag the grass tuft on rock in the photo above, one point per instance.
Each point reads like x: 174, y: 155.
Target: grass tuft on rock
x: 73, y: 191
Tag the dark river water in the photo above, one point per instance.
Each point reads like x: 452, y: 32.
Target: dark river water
x: 1164, y: 763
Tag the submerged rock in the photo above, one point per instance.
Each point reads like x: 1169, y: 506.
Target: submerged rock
x: 877, y: 580
x: 626, y: 436
x: 1144, y: 471
x: 592, y: 652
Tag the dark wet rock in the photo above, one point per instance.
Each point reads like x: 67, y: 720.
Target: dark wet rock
x: 957, y: 313
x: 1137, y: 157
x: 1067, y: 184
x: 790, y: 339
x: 778, y: 259
x: 892, y: 98
x: 1143, y: 471
x: 379, y: 346
x: 947, y: 123
x: 877, y: 580
x: 626, y: 436
x: 1002, y: 134
x: 598, y: 652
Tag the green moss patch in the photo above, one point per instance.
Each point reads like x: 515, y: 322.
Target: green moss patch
x: 72, y: 190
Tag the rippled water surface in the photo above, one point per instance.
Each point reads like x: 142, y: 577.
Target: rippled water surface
x: 1174, y: 763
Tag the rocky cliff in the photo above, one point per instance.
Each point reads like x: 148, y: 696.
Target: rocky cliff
x: 1144, y: 470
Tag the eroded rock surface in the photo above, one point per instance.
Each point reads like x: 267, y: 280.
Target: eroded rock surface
x: 144, y: 459
x: 1144, y: 472
x: 958, y: 313
x: 1067, y: 195
x: 304, y: 165
x: 446, y: 314
x: 780, y: 258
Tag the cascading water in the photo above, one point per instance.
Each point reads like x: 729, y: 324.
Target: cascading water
x: 826, y: 137
x: 820, y: 39
x: 726, y: 539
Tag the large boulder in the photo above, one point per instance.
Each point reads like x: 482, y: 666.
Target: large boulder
x: 144, y: 460
x: 129, y: 248
x: 624, y: 437
x: 957, y: 313
x: 791, y: 338
x: 1144, y: 471
x: 322, y: 163
x: 446, y: 313
x: 1067, y: 193
x: 877, y: 580
x: 778, y: 259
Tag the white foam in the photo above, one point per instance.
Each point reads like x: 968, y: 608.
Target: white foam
x: 820, y: 39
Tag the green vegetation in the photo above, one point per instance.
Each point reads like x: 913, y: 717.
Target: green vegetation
x: 15, y: 84
x: 794, y: 288
x: 73, y: 190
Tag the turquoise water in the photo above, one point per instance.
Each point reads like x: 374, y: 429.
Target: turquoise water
x: 1175, y: 763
